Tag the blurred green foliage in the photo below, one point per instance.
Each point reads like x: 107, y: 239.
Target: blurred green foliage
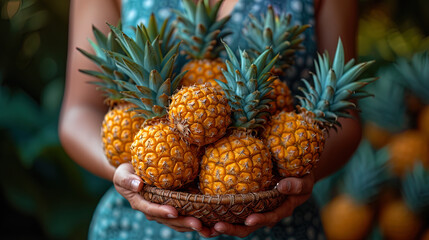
x: 39, y: 182
x: 38, y: 179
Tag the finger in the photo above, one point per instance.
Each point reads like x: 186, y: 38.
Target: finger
x: 152, y: 209
x: 125, y: 178
x: 207, y: 232
x: 190, y: 223
x: 233, y: 229
x: 296, y: 186
x: 272, y: 217
x: 129, y: 184
x: 179, y: 229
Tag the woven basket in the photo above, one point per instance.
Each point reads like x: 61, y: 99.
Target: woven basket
x: 231, y: 208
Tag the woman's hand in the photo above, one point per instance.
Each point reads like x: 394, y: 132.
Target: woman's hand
x: 129, y: 185
x: 298, y: 191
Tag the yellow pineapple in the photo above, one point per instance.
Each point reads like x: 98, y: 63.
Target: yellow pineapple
x: 162, y: 158
x: 405, y: 149
x: 200, y: 113
x: 350, y: 214
x: 402, y: 217
x: 201, y: 71
x: 296, y: 139
x: 201, y: 32
x: 118, y: 130
x: 281, y: 96
x: 159, y: 155
x: 276, y: 31
x: 377, y: 135
x: 239, y: 162
x: 119, y: 126
x: 397, y: 221
x: 344, y: 218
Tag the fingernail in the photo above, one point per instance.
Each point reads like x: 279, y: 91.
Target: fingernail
x: 285, y: 187
x: 220, y: 230
x: 247, y: 223
x: 135, y: 185
x: 171, y: 215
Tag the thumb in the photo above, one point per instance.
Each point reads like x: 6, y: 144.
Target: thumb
x: 126, y: 178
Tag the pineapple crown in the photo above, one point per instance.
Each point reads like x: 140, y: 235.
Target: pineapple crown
x: 108, y: 71
x: 275, y: 31
x: 366, y: 173
x: 165, y: 33
x: 387, y: 108
x: 415, y: 72
x: 248, y: 83
x: 150, y: 70
x: 334, y: 88
x: 199, y: 30
x: 415, y: 188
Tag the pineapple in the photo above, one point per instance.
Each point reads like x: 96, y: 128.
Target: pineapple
x: 201, y: 33
x: 397, y: 221
x: 405, y: 149
x: 349, y: 215
x: 402, y: 218
x: 239, y: 162
x: 385, y: 113
x: 415, y: 72
x: 159, y: 155
x: 200, y: 113
x: 296, y: 139
x: 119, y: 126
x: 276, y: 31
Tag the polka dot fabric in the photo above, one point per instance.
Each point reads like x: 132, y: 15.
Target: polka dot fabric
x: 302, y: 11
x: 115, y: 219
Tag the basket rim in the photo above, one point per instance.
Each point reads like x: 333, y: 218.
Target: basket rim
x: 225, y: 199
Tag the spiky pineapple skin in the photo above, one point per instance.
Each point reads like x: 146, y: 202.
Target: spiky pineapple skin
x: 202, y: 71
x: 201, y: 114
x: 295, y: 142
x: 161, y: 158
x: 118, y: 131
x: 236, y: 164
x: 344, y: 218
x: 405, y: 149
x: 281, y: 96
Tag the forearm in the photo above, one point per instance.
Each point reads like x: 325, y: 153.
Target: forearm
x: 83, y: 109
x: 339, y: 147
x: 80, y: 135
x: 335, y: 19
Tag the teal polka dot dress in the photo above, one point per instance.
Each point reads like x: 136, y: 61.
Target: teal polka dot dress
x: 115, y: 219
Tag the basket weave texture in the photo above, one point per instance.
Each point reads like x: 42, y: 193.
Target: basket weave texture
x: 231, y: 208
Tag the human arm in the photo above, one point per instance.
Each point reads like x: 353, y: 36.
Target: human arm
x: 335, y: 18
x: 83, y: 111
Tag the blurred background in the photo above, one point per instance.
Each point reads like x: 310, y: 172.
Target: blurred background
x: 44, y: 195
